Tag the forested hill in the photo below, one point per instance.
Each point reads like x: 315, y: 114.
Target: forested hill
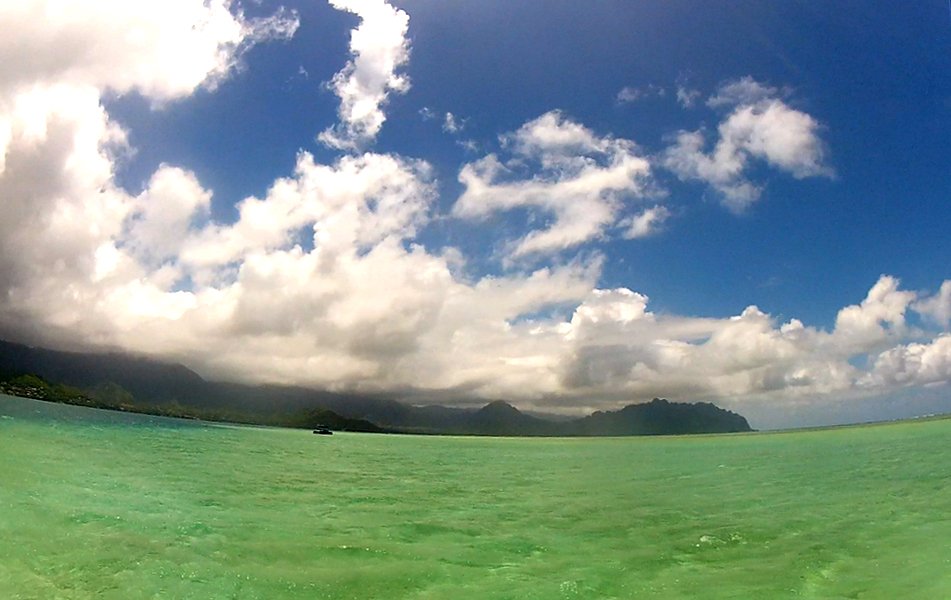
x: 136, y: 383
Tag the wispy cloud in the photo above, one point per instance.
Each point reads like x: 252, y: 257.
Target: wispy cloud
x: 645, y: 223
x: 629, y: 94
x: 364, y: 304
x: 452, y: 124
x: 744, y: 91
x: 685, y: 93
x: 687, y: 97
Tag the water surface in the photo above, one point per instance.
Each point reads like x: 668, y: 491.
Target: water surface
x: 108, y: 505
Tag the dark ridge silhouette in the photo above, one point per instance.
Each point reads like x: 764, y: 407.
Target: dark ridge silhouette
x: 660, y: 417
x: 129, y: 382
x: 147, y: 379
x: 501, y: 418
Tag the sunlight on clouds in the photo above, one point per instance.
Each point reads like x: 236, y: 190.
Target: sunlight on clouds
x: 761, y: 127
x: 938, y: 307
x: 357, y: 201
x: 165, y: 49
x: 645, y: 223
x: 378, y: 47
x: 164, y: 213
x: 743, y: 91
x: 879, y: 319
x: 324, y: 280
x: 584, y: 181
x: 734, y: 357
x: 61, y: 208
x: 912, y: 364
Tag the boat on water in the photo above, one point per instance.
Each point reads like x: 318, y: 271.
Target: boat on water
x: 322, y: 430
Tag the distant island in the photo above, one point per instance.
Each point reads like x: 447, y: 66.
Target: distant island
x: 136, y: 384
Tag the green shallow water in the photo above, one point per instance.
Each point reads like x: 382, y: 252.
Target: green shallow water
x: 105, y: 505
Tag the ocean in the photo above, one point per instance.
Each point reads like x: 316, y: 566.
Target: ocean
x: 99, y: 504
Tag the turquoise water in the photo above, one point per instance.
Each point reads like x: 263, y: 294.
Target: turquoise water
x: 106, y: 505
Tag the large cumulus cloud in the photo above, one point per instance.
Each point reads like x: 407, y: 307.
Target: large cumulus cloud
x: 323, y: 280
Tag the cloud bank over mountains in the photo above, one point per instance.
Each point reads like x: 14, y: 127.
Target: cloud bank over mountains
x: 323, y: 281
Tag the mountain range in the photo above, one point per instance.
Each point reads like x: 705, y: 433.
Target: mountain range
x: 143, y: 384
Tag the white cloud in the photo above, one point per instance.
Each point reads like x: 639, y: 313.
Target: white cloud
x: 759, y: 127
x: 356, y: 203
x: 63, y: 215
x: 163, y: 50
x: 323, y: 281
x: 635, y: 353
x: 783, y: 137
x: 470, y: 146
x: 161, y: 217
x: 452, y: 124
x: 378, y: 47
x: 583, y: 182
x: 630, y: 94
x: 743, y: 91
x: 687, y: 97
x: 937, y: 308
x: 646, y: 222
x: 912, y: 364
x: 615, y: 345
x: 879, y: 319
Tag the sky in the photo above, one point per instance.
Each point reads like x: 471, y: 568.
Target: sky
x: 571, y: 206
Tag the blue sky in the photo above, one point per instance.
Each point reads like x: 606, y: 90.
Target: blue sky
x: 604, y: 187
x: 877, y: 78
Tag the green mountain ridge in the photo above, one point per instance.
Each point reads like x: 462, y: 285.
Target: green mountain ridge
x: 141, y: 384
